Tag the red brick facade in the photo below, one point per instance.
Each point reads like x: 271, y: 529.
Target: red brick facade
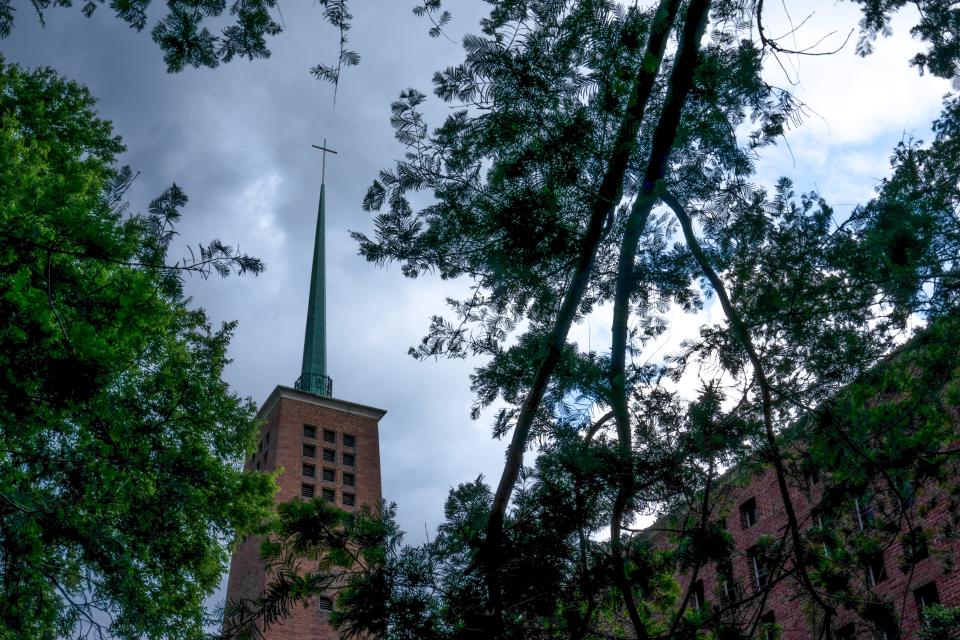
x: 321, y: 445
x: 752, y: 509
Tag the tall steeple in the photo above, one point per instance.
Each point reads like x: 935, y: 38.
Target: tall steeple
x: 313, y: 374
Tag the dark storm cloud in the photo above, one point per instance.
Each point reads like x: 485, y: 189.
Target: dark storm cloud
x: 237, y: 139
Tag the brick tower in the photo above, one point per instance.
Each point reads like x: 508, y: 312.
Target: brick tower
x: 325, y: 447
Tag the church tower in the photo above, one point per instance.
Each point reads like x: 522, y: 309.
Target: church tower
x: 326, y: 448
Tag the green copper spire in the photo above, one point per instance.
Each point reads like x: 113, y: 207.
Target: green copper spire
x: 313, y: 374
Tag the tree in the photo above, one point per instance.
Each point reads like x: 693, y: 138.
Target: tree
x: 590, y: 164
x: 120, y: 481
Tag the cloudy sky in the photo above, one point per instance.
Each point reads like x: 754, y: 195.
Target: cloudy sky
x: 237, y: 139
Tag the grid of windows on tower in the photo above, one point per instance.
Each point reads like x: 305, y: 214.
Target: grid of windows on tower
x: 306, y: 490
x: 309, y: 451
x: 329, y: 495
x: 329, y: 436
x: 324, y: 603
x: 349, y: 479
x: 329, y: 455
x: 349, y: 499
x: 349, y: 441
x: 349, y: 460
x: 329, y: 475
x: 309, y: 470
x: 309, y: 431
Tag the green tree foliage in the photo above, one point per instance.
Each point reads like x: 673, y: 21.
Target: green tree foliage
x: 602, y: 156
x: 120, y: 486
x: 184, y: 33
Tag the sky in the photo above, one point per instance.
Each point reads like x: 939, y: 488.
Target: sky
x: 238, y: 140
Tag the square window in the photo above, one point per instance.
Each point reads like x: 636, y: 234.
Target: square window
x: 306, y: 490
x: 309, y: 470
x: 309, y: 451
x: 324, y: 603
x: 349, y: 459
x: 926, y: 596
x: 330, y: 436
x: 876, y: 570
x: 329, y: 475
x: 349, y: 479
x: 696, y: 595
x: 329, y: 495
x: 349, y: 499
x: 349, y: 441
x: 748, y: 513
x: 309, y: 431
x: 329, y: 455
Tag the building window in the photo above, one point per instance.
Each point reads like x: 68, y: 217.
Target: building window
x: 349, y: 460
x: 759, y: 568
x: 349, y: 499
x: 306, y: 490
x: 324, y: 603
x: 748, y: 513
x: 309, y: 451
x: 309, y: 431
x: 876, y: 571
x: 329, y: 495
x: 915, y: 546
x: 696, y: 595
x: 864, y: 512
x: 266, y: 439
x: 349, y: 479
x: 926, y: 596
x: 726, y: 588
x: 349, y: 441
x: 309, y: 470
x: 329, y: 475
x: 330, y: 436
x: 768, y: 626
x: 329, y: 455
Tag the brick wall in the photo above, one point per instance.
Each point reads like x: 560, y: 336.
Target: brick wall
x: 281, y: 447
x: 792, y: 610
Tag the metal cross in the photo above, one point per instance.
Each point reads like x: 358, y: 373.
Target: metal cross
x: 323, y: 170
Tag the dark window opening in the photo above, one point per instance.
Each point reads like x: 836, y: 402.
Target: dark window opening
x: 768, y: 626
x: 748, y: 513
x: 329, y: 436
x: 926, y: 596
x: 349, y: 499
x: 309, y: 431
x: 329, y: 475
x: 329, y: 495
x: 306, y: 490
x: 266, y: 438
x: 759, y: 568
x: 725, y: 584
x: 309, y: 451
x: 329, y: 455
x: 915, y: 546
x: 349, y: 459
x: 696, y: 595
x: 876, y: 570
x: 349, y: 479
x: 309, y: 470
x: 349, y: 441
x: 865, y: 515
x: 324, y: 603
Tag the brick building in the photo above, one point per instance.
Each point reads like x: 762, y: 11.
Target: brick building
x: 893, y: 553
x: 324, y: 447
